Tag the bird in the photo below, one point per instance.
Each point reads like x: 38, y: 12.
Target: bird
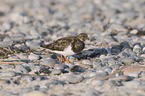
x: 68, y: 45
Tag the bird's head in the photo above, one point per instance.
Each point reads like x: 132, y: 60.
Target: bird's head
x: 83, y: 37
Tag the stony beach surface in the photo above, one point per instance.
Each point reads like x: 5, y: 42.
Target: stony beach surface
x: 117, y: 68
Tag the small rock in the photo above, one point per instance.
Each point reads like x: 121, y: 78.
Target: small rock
x: 54, y: 82
x: 125, y: 45
x: 135, y: 74
x: 111, y: 61
x: 135, y: 31
x: 127, y: 60
x: 137, y: 49
x: 21, y: 69
x: 108, y: 70
x: 61, y: 67
x: 8, y: 74
x: 87, y: 62
x: 26, y: 79
x: 97, y: 82
x: 49, y: 62
x: 100, y: 75
x: 14, y: 57
x: 91, y: 92
x: 143, y: 49
x: 113, y: 83
x: 7, y: 25
x: 56, y: 72
x: 143, y: 75
x: 73, y: 79
x: 7, y: 42
x: 97, y: 65
x: 35, y: 93
x: 44, y: 70
x: 34, y: 57
x: 76, y: 68
x: 132, y: 84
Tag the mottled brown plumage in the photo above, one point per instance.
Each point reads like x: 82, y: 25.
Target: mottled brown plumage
x: 68, y: 45
x: 77, y: 43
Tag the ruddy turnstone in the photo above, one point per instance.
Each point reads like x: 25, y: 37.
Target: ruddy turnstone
x: 68, y: 45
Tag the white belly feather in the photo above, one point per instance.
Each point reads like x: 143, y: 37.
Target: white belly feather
x: 67, y: 51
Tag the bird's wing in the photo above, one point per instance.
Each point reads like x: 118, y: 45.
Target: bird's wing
x: 77, y: 45
x: 58, y: 45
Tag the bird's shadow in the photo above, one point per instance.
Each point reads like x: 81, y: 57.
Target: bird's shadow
x: 96, y: 52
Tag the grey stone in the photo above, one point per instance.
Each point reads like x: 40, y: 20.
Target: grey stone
x: 135, y: 74
x: 56, y: 72
x: 61, y: 67
x: 8, y: 74
x: 34, y: 57
x: 132, y: 84
x: 7, y: 26
x: 54, y: 82
x: 73, y: 79
x: 76, y: 69
x: 35, y: 93
x: 21, y: 69
x: 97, y: 65
x: 127, y: 60
x: 137, y: 49
x: 26, y: 79
x: 100, y: 75
x: 111, y: 61
x: 113, y: 83
x: 87, y: 62
x: 14, y: 57
x: 96, y: 82
x: 49, y: 62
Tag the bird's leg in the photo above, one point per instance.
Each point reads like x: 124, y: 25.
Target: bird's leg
x: 62, y: 59
x: 66, y: 60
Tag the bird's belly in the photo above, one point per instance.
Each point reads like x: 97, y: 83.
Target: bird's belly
x: 67, y: 51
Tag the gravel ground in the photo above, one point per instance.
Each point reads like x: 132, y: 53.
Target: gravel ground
x: 114, y: 69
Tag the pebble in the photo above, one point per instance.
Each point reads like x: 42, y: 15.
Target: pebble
x: 76, y: 68
x: 97, y: 65
x: 34, y: 57
x: 35, y: 93
x: 134, y: 74
x: 111, y: 61
x: 133, y: 84
x: 49, y: 62
x: 127, y: 60
x: 135, y: 31
x: 21, y: 69
x: 96, y: 82
x: 8, y: 74
x: 56, y: 72
x: 100, y: 75
x: 61, y: 67
x: 73, y: 79
x: 137, y: 49
x: 53, y: 82
x: 7, y: 26
x: 87, y: 62
x: 26, y: 79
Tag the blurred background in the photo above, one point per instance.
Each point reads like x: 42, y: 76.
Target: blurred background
x: 49, y: 19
